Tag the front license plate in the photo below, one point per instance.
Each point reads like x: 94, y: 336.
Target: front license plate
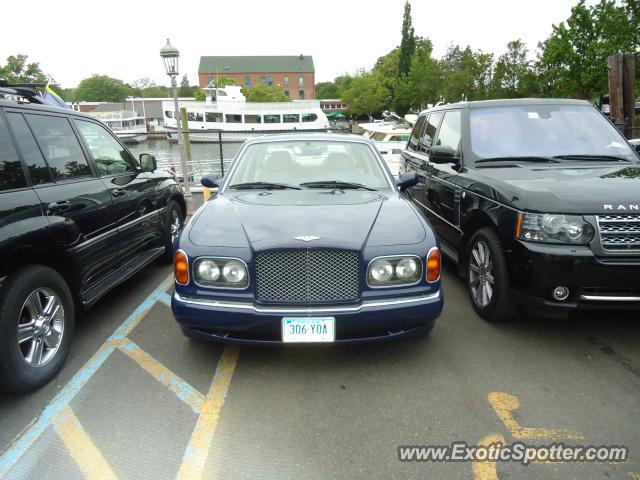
x: 301, y: 330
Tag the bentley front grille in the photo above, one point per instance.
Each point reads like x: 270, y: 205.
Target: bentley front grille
x: 308, y: 276
x: 619, y: 233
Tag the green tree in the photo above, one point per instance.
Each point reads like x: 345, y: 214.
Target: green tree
x: 19, y: 70
x: 156, y: 91
x: 367, y: 94
x: 222, y: 81
x: 572, y: 61
x: 513, y: 75
x: 408, y: 42
x: 465, y: 74
x: 327, y: 90
x: 185, y: 90
x: 102, y: 88
x: 265, y: 93
x: 423, y: 84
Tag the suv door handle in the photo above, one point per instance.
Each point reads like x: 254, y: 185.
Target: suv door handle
x: 118, y: 192
x: 54, y: 207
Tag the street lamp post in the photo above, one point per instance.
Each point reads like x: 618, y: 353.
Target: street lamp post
x: 170, y: 55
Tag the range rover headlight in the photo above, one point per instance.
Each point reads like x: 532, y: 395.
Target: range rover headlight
x: 554, y: 228
x: 392, y: 271
x: 221, y: 273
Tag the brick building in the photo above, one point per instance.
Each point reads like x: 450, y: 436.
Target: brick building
x: 295, y: 74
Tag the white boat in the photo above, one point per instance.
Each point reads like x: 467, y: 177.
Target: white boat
x: 127, y: 125
x: 390, y: 139
x: 226, y: 114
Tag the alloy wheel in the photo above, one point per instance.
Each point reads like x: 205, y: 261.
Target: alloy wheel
x: 481, y: 278
x: 175, y: 226
x: 40, y: 327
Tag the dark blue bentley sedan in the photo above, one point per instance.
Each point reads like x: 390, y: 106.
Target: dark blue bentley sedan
x: 308, y: 239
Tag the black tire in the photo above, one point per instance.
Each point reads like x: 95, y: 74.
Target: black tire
x: 16, y: 373
x: 499, y: 305
x: 173, y: 211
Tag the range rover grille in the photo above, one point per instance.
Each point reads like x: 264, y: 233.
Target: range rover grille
x: 619, y: 232
x: 308, y: 276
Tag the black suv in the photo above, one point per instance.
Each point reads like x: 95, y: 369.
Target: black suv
x: 78, y: 215
x: 537, y: 200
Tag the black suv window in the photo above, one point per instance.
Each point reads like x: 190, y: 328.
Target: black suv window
x: 449, y: 134
x: 416, y: 133
x: 11, y: 173
x: 31, y: 154
x: 59, y: 145
x: 110, y: 157
x: 430, y: 130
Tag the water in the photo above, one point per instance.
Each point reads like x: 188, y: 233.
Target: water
x: 205, y: 157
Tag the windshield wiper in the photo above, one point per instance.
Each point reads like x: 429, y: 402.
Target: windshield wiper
x: 612, y: 158
x: 335, y: 184
x: 263, y: 185
x: 533, y: 159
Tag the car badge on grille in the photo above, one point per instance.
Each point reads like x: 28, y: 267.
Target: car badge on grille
x: 306, y: 238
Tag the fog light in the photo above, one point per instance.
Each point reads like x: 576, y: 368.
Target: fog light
x: 561, y: 293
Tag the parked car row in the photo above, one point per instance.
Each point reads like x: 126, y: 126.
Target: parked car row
x: 310, y: 238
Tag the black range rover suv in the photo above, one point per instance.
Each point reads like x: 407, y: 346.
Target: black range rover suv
x: 536, y: 200
x: 78, y: 215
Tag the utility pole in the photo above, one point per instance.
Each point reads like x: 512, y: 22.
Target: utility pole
x: 622, y: 91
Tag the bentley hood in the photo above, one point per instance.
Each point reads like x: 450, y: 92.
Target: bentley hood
x: 290, y: 218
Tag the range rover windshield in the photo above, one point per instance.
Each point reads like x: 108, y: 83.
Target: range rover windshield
x: 567, y: 132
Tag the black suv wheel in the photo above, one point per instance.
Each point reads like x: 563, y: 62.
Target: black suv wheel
x: 36, y: 327
x: 173, y: 224
x: 488, y: 277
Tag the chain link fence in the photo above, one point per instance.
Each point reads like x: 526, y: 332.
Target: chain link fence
x: 211, y: 152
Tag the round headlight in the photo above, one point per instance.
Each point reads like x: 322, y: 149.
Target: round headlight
x: 234, y: 271
x: 553, y: 223
x: 208, y: 270
x: 381, y: 271
x: 406, y: 268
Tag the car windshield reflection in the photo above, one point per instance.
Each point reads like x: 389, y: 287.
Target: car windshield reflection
x: 309, y: 164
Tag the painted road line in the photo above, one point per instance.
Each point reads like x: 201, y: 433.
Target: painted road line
x: 21, y: 444
x: 173, y: 382
x: 197, y: 451
x: 504, y: 404
x: 166, y: 299
x: 487, y: 470
x: 83, y: 451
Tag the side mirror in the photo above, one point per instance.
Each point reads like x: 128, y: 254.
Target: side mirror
x: 148, y: 162
x: 211, y: 181
x: 406, y: 180
x: 442, y: 154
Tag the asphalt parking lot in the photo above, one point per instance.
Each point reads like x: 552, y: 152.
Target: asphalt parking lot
x: 136, y: 399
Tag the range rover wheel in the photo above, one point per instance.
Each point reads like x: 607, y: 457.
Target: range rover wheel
x: 173, y: 223
x: 36, y: 327
x: 488, y: 277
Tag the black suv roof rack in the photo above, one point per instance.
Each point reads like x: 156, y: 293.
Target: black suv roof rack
x: 27, y: 92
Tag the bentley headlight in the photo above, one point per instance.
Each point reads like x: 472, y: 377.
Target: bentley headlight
x: 221, y: 273
x: 392, y: 271
x: 234, y: 272
x: 554, y: 228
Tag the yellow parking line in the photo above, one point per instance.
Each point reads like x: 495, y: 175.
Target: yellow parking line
x: 196, y: 453
x: 84, y: 452
x: 634, y: 476
x: 504, y: 404
x: 487, y: 470
x: 153, y: 367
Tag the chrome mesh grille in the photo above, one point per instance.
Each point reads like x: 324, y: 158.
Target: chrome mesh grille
x: 619, y: 232
x: 308, y: 276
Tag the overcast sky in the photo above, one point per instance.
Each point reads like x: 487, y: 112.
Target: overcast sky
x: 123, y: 38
